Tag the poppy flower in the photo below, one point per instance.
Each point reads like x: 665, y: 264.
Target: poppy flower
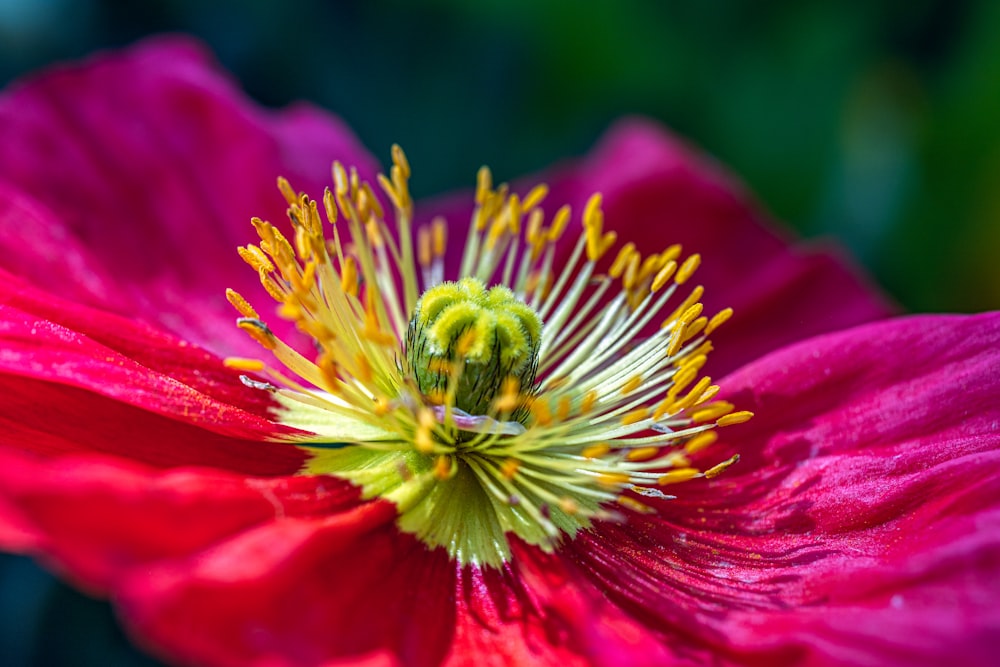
x: 405, y: 463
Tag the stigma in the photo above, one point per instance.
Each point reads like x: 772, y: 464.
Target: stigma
x: 510, y: 396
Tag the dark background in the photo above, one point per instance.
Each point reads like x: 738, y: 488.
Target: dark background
x: 877, y: 123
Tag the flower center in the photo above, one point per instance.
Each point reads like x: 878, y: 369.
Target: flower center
x: 524, y: 399
x: 467, y: 339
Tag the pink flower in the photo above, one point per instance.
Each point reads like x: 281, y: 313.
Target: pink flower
x: 862, y: 525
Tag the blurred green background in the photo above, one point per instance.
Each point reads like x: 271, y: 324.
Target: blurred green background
x: 877, y: 123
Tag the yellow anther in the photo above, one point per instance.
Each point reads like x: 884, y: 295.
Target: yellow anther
x: 693, y: 298
x: 423, y: 441
x: 443, y: 467
x: 439, y: 233
x: 399, y: 159
x: 484, y: 185
x: 631, y: 384
x: 563, y: 408
x: 691, y: 313
x: 663, y: 275
x: 424, y: 246
x: 328, y: 369
x: 634, y: 505
x: 665, y: 407
x: 368, y: 203
x: 676, y: 340
x: 598, y: 243
x: 712, y: 411
x: 693, y: 395
x: 642, y: 453
x: 695, y: 362
x: 286, y: 190
x: 670, y: 254
x: 684, y: 376
x: 635, y: 416
x: 694, y: 328
x: 241, y: 305
x: 509, y: 398
x: 256, y: 258
x: 364, y: 368
x: 678, y: 475
x: 289, y: 310
x: 701, y: 441
x: 568, y: 505
x: 272, y: 288
x: 589, y: 399
x: 613, y: 479
x: 631, y: 272
x: 383, y: 406
x: 349, y: 276
x: 708, y: 394
x: 621, y: 260
x: 397, y: 199
x: 592, y: 211
x: 437, y: 396
x: 718, y: 320
x: 374, y: 232
x: 241, y: 364
x: 258, y: 331
x: 559, y: 223
x: 542, y: 413
x: 509, y: 468
x: 330, y: 206
x: 735, y: 418
x: 514, y: 211
x: 715, y: 471
x: 341, y: 183
x: 595, y: 451
x: 534, y: 197
x: 687, y: 269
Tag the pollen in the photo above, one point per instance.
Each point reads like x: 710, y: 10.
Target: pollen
x: 529, y: 391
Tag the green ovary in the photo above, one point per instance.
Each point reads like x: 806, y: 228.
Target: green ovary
x: 489, y: 332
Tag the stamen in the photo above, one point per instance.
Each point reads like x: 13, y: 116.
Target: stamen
x: 523, y: 396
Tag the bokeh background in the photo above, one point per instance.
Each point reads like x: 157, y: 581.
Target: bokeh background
x: 876, y: 123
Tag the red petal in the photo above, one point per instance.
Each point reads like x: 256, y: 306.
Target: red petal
x: 862, y: 525
x: 149, y: 163
x: 657, y: 191
x: 300, y: 592
x: 96, y: 518
x: 73, y: 378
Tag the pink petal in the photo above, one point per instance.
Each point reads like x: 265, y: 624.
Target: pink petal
x: 147, y: 165
x: 658, y: 191
x: 862, y: 525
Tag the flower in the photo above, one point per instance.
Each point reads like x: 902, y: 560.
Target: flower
x: 861, y: 524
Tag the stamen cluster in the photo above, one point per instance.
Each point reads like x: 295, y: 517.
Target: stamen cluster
x: 523, y: 398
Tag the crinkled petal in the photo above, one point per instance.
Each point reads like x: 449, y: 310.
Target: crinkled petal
x: 658, y: 191
x: 147, y: 165
x: 862, y: 525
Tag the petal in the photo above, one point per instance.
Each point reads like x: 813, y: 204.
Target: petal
x: 97, y: 518
x: 658, y: 191
x: 862, y: 525
x: 79, y: 379
x: 150, y: 162
x: 300, y: 592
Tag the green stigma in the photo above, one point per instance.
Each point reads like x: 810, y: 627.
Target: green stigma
x: 492, y: 334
